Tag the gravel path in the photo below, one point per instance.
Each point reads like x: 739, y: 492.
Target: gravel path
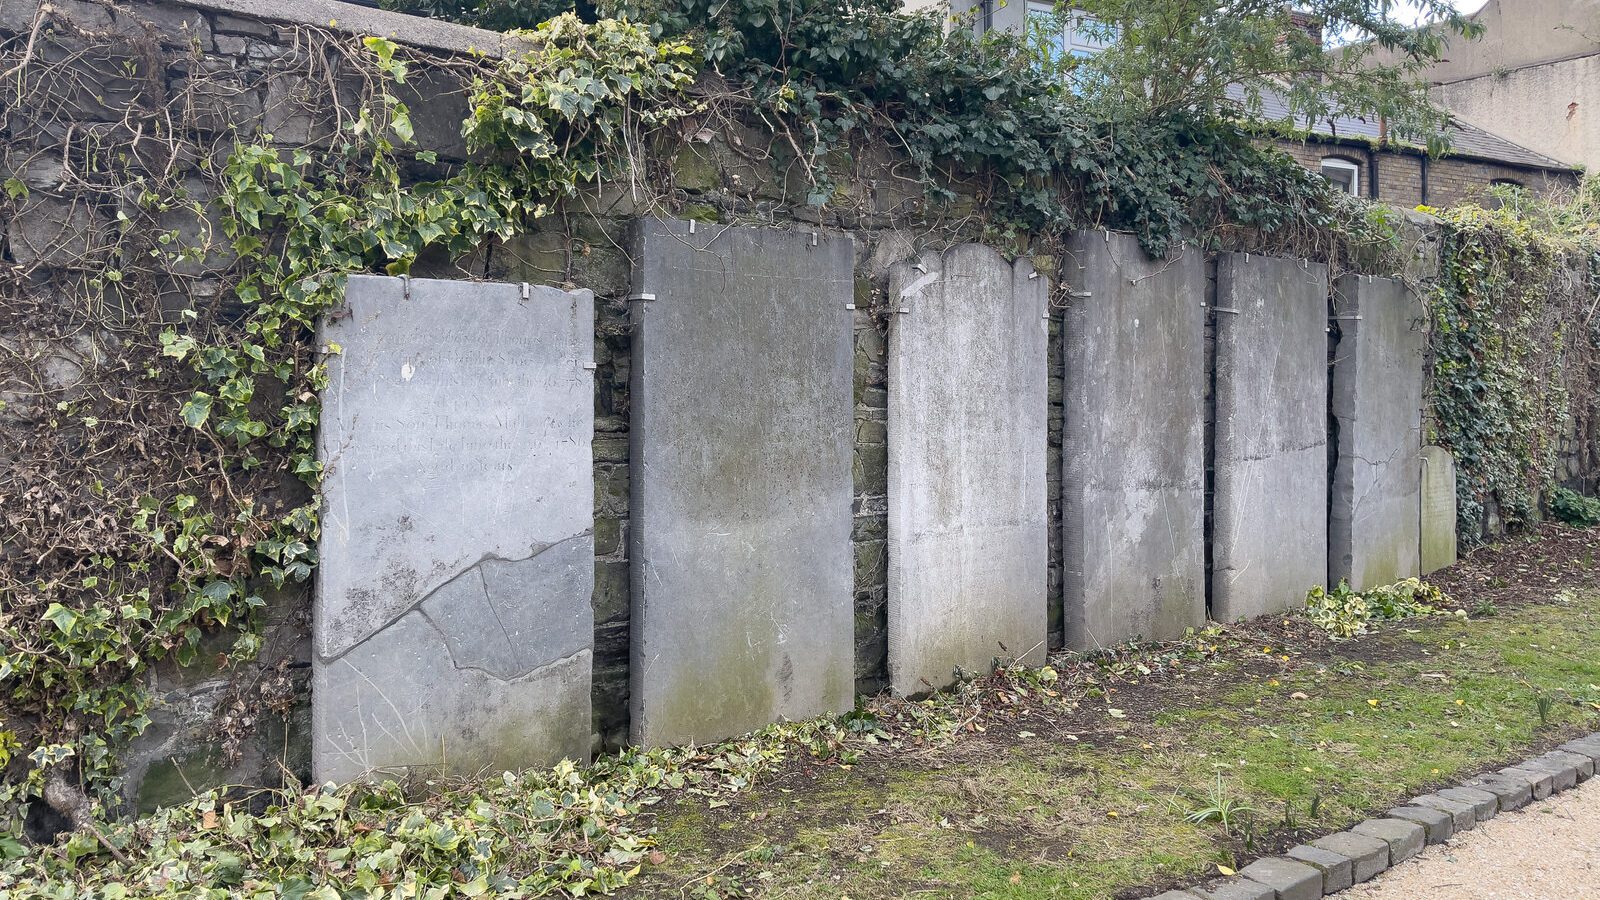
x: 1547, y: 851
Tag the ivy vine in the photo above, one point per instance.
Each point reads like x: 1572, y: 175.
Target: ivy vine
x: 569, y: 106
x: 1516, y: 356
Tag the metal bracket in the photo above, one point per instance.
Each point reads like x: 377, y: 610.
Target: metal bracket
x: 849, y: 306
x: 1344, y: 318
x: 640, y: 296
x: 904, y: 310
x: 590, y: 366
x: 692, y: 225
x: 1080, y: 295
x: 920, y: 268
x: 405, y: 286
x: 1032, y: 275
x: 527, y: 292
x: 814, y: 239
x: 1224, y: 309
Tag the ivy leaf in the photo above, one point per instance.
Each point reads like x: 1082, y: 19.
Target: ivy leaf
x: 63, y: 618
x: 197, y: 409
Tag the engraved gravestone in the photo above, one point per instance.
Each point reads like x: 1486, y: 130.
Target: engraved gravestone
x: 1374, y: 532
x: 742, y: 432
x: 1270, y: 513
x: 453, y: 630
x: 968, y: 548
x: 1438, y: 509
x: 1133, y: 454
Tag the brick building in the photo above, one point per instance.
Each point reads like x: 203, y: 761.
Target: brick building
x: 1356, y: 154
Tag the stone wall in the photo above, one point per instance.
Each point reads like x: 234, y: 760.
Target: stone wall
x: 256, y: 60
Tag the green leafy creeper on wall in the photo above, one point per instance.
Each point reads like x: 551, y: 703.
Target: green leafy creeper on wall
x: 556, y: 115
x: 1513, y: 356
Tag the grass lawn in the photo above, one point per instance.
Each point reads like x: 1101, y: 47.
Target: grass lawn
x: 1088, y: 793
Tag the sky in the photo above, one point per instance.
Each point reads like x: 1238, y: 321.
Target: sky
x: 1466, y: 6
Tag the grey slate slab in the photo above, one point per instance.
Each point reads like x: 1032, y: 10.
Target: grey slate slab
x: 1377, y: 387
x: 1405, y: 839
x: 1271, y: 435
x: 1234, y: 889
x: 453, y: 628
x: 1133, y: 455
x: 1174, y: 895
x: 1484, y: 803
x: 1438, y: 824
x: 1338, y: 870
x: 1511, y: 793
x: 1370, y: 854
x: 1439, y: 546
x: 740, y: 469
x: 1463, y: 816
x: 968, y: 433
x: 1289, y: 880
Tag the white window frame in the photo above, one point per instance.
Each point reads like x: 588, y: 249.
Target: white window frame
x: 1343, y: 165
x: 1078, y: 39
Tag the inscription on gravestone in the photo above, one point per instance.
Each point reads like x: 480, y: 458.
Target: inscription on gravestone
x: 453, y: 629
x: 968, y: 543
x: 742, y: 436
x: 1133, y: 454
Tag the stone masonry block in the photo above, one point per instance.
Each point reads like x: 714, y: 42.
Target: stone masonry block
x: 1463, y: 816
x: 1234, y: 889
x: 1510, y: 793
x: 1541, y: 781
x: 1369, y: 854
x: 1405, y: 839
x: 1581, y: 763
x: 1484, y: 803
x: 1338, y: 870
x: 1290, y: 880
x: 1586, y: 746
x: 1438, y: 824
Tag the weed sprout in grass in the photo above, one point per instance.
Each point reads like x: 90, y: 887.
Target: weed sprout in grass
x: 1221, y: 808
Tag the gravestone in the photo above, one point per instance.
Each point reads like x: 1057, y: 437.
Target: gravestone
x: 743, y: 431
x: 1270, y: 511
x: 1438, y: 509
x: 1374, y: 528
x: 1133, y: 455
x: 968, y: 545
x: 453, y: 630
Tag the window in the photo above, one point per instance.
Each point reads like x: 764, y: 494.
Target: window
x: 1070, y: 33
x: 1343, y: 174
